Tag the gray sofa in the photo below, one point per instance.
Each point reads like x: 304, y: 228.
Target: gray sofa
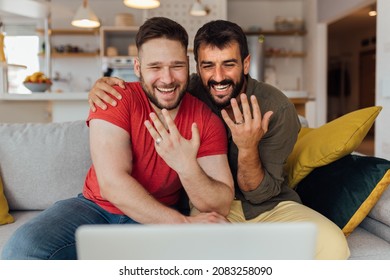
x: 43, y: 163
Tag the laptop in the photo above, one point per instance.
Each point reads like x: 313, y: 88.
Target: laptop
x: 238, y: 241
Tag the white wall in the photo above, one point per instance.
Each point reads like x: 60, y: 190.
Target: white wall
x: 316, y: 42
x: 249, y: 13
x: 382, y: 131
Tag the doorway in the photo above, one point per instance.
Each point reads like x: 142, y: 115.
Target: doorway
x: 351, y: 68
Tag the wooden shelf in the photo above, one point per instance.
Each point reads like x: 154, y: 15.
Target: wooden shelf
x: 299, y: 100
x: 70, y: 31
x: 287, y: 55
x: 277, y: 33
x: 67, y: 55
x: 120, y: 29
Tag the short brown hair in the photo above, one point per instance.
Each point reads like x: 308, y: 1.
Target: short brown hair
x: 161, y: 27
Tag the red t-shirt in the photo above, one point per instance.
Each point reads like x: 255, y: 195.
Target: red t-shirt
x: 149, y: 169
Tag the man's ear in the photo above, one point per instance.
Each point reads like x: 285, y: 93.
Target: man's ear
x: 247, y: 62
x: 137, y: 67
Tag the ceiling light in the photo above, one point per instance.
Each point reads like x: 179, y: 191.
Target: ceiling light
x: 372, y: 12
x: 85, y: 17
x: 198, y: 9
x: 142, y: 4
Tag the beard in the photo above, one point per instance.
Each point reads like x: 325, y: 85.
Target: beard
x: 236, y: 90
x: 154, y: 100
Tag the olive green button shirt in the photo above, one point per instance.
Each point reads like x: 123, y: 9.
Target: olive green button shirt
x: 274, y: 147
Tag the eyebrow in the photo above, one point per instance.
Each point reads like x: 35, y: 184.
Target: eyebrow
x: 225, y: 61
x: 176, y: 62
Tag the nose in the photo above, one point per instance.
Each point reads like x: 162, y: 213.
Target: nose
x: 166, y: 75
x: 218, y: 74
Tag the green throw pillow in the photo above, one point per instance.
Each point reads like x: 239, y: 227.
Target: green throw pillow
x: 346, y: 190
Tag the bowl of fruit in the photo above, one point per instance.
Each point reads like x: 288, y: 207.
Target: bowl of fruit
x: 37, y: 82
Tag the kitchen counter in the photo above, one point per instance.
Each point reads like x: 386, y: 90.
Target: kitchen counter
x: 44, y: 96
x: 65, y: 106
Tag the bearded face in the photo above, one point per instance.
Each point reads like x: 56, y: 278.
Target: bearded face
x: 162, y: 68
x: 222, y: 72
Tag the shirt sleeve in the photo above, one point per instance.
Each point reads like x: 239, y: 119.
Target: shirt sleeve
x: 118, y: 115
x: 274, y: 150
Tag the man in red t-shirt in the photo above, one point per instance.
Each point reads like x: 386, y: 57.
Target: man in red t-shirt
x: 158, y: 141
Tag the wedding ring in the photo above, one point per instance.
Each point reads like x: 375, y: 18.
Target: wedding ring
x: 240, y: 122
x: 159, y: 140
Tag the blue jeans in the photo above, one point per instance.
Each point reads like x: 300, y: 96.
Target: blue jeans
x: 51, y: 235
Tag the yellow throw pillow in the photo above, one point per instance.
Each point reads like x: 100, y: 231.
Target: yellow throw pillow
x: 329, y: 142
x: 5, y: 217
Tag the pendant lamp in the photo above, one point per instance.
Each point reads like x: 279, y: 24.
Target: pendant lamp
x: 198, y: 9
x: 85, y: 17
x: 142, y: 4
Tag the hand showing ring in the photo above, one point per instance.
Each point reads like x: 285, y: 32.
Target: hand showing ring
x: 240, y: 122
x: 159, y: 140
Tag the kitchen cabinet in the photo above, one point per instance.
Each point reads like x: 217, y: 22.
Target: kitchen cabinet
x: 118, y: 51
x: 118, y: 41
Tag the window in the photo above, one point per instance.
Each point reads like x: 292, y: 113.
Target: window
x: 17, y: 55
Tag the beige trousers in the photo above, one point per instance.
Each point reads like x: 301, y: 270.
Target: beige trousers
x: 331, y: 242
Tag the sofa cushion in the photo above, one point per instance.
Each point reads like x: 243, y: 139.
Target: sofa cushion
x: 320, y: 146
x: 43, y: 163
x: 21, y: 217
x: 365, y: 245
x: 347, y: 189
x: 381, y: 210
x: 375, y: 227
x: 5, y: 217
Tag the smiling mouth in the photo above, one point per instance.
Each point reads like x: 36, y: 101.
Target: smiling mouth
x: 166, y: 90
x: 221, y: 87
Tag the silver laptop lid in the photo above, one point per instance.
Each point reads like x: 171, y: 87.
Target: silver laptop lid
x: 273, y: 241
